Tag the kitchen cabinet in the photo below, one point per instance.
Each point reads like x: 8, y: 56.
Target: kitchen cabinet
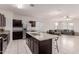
x: 1, y: 45
x: 33, y: 23
x: 45, y: 47
x: 28, y: 40
x: 32, y: 45
x: 39, y: 47
x: 2, y: 20
x: 36, y: 47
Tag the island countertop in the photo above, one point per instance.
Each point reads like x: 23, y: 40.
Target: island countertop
x: 41, y: 36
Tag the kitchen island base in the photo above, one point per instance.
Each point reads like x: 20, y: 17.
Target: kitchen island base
x: 39, y: 47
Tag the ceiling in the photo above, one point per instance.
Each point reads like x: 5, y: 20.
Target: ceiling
x: 46, y: 11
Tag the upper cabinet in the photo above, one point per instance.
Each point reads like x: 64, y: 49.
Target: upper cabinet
x: 33, y: 23
x: 2, y: 20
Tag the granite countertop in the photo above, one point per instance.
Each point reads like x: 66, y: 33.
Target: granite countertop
x: 41, y: 36
x: 4, y: 32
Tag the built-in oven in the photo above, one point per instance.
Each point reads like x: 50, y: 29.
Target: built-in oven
x: 17, y: 29
x: 17, y: 33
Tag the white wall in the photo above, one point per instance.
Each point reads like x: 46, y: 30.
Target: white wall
x: 9, y: 16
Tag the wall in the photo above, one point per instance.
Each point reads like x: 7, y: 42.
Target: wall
x: 9, y: 16
x: 46, y: 24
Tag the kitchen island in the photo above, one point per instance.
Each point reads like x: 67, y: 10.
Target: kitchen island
x: 39, y: 43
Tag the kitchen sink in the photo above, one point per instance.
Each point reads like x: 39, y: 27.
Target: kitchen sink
x: 35, y: 34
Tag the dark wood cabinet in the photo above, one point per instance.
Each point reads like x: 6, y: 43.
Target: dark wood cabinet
x: 36, y: 47
x: 39, y: 47
x: 45, y: 47
x: 31, y: 45
x: 1, y: 41
x: 33, y: 23
x: 4, y: 41
x: 2, y: 20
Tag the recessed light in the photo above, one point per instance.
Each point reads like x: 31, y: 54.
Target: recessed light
x: 20, y: 6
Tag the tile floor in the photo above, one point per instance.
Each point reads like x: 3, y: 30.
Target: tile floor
x: 18, y: 47
x: 66, y: 45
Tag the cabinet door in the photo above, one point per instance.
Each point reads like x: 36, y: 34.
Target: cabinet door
x: 31, y: 44
x: 8, y: 38
x: 36, y: 47
x: 1, y: 45
x: 45, y: 47
x: 4, y: 21
x: 0, y: 20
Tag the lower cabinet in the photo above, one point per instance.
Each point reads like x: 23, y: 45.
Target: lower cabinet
x: 45, y: 47
x: 36, y: 47
x: 39, y: 47
x: 32, y: 45
x: 4, y: 41
x: 1, y: 43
